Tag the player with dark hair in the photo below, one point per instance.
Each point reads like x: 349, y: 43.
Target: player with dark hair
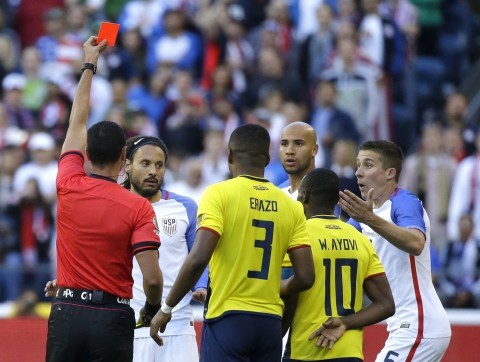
x: 398, y: 226
x: 145, y: 170
x: 244, y: 228
x: 100, y: 227
x: 346, y: 265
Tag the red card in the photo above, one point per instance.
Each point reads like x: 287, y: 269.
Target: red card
x: 108, y: 31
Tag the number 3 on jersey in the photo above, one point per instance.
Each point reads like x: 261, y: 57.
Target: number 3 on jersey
x: 266, y: 245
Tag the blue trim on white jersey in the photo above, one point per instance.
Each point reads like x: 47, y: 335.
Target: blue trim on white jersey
x: 191, y: 208
x: 407, y: 210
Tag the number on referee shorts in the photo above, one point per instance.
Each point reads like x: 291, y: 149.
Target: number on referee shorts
x: 352, y: 265
x: 266, y: 245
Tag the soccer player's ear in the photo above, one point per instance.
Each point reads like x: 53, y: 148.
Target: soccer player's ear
x: 391, y: 173
x: 128, y: 165
x: 230, y: 156
x: 86, y: 153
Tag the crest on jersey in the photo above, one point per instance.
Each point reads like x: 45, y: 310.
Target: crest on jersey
x: 169, y: 225
x: 155, y: 224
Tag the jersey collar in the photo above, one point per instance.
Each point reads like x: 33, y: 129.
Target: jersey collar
x: 328, y: 217
x: 255, y: 178
x: 105, y: 178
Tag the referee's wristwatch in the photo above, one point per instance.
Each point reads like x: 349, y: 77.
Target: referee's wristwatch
x: 90, y: 66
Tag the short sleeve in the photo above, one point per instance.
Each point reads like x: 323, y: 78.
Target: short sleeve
x: 210, y: 211
x: 300, y: 236
x: 145, y: 233
x: 70, y: 164
x: 407, y: 211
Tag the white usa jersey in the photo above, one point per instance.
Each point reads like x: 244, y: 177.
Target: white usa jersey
x: 285, y: 187
x: 176, y: 217
x: 418, y: 308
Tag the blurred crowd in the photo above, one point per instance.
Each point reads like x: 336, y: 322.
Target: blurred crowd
x: 191, y: 71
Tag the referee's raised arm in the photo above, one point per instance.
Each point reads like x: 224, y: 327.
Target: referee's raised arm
x: 76, y: 137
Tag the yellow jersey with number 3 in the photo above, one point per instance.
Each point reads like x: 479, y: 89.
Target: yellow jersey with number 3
x: 256, y: 224
x: 344, y: 259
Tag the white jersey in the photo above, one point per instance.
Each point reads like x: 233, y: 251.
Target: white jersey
x: 418, y: 308
x: 287, y: 190
x: 176, y: 216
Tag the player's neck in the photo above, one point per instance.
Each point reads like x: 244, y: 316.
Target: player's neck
x: 295, y: 179
x: 251, y: 171
x: 112, y: 171
x: 152, y: 199
x: 319, y: 211
x: 385, y: 195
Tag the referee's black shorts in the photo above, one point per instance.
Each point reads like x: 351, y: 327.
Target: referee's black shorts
x: 79, y: 331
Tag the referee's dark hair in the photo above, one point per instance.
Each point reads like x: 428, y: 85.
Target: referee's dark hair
x: 321, y: 187
x: 134, y: 143
x: 250, y: 144
x: 105, y: 142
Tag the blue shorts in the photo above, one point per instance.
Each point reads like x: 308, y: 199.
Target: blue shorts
x: 239, y: 337
x: 287, y: 272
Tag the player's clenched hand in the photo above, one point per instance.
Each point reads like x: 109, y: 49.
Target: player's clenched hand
x: 330, y: 332
x: 51, y: 288
x: 200, y: 295
x: 159, y: 323
x: 356, y: 207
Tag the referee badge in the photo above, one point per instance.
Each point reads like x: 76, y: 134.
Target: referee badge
x: 169, y: 225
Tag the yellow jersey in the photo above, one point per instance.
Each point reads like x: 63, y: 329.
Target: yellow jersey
x: 343, y: 259
x: 256, y: 224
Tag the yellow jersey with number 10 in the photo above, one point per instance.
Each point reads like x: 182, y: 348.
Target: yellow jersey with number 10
x: 343, y: 259
x: 256, y: 224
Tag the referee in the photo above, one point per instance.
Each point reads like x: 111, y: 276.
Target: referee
x: 100, y: 227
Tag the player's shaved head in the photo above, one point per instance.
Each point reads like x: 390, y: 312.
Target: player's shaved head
x: 250, y: 144
x: 302, y: 130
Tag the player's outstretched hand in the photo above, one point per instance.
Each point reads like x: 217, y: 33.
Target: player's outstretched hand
x: 158, y: 324
x: 200, y: 295
x: 356, y: 207
x: 51, y: 288
x: 330, y: 332
x: 92, y: 50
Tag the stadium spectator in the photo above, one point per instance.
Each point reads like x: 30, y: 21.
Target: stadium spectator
x: 344, y: 163
x: 398, y: 226
x: 429, y: 173
x: 330, y: 122
x: 11, y: 275
x: 191, y: 179
x: 106, y: 246
x: 18, y: 115
x: 459, y: 282
x: 336, y: 307
x: 176, y: 47
x: 42, y: 167
x: 271, y: 72
x: 356, y: 86
x: 239, y: 54
x: 317, y: 49
x: 465, y: 195
x: 58, y: 49
x: 456, y: 116
x: 234, y: 325
x: 35, y: 90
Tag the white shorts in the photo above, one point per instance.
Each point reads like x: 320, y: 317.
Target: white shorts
x: 181, y: 348
x: 401, y: 347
